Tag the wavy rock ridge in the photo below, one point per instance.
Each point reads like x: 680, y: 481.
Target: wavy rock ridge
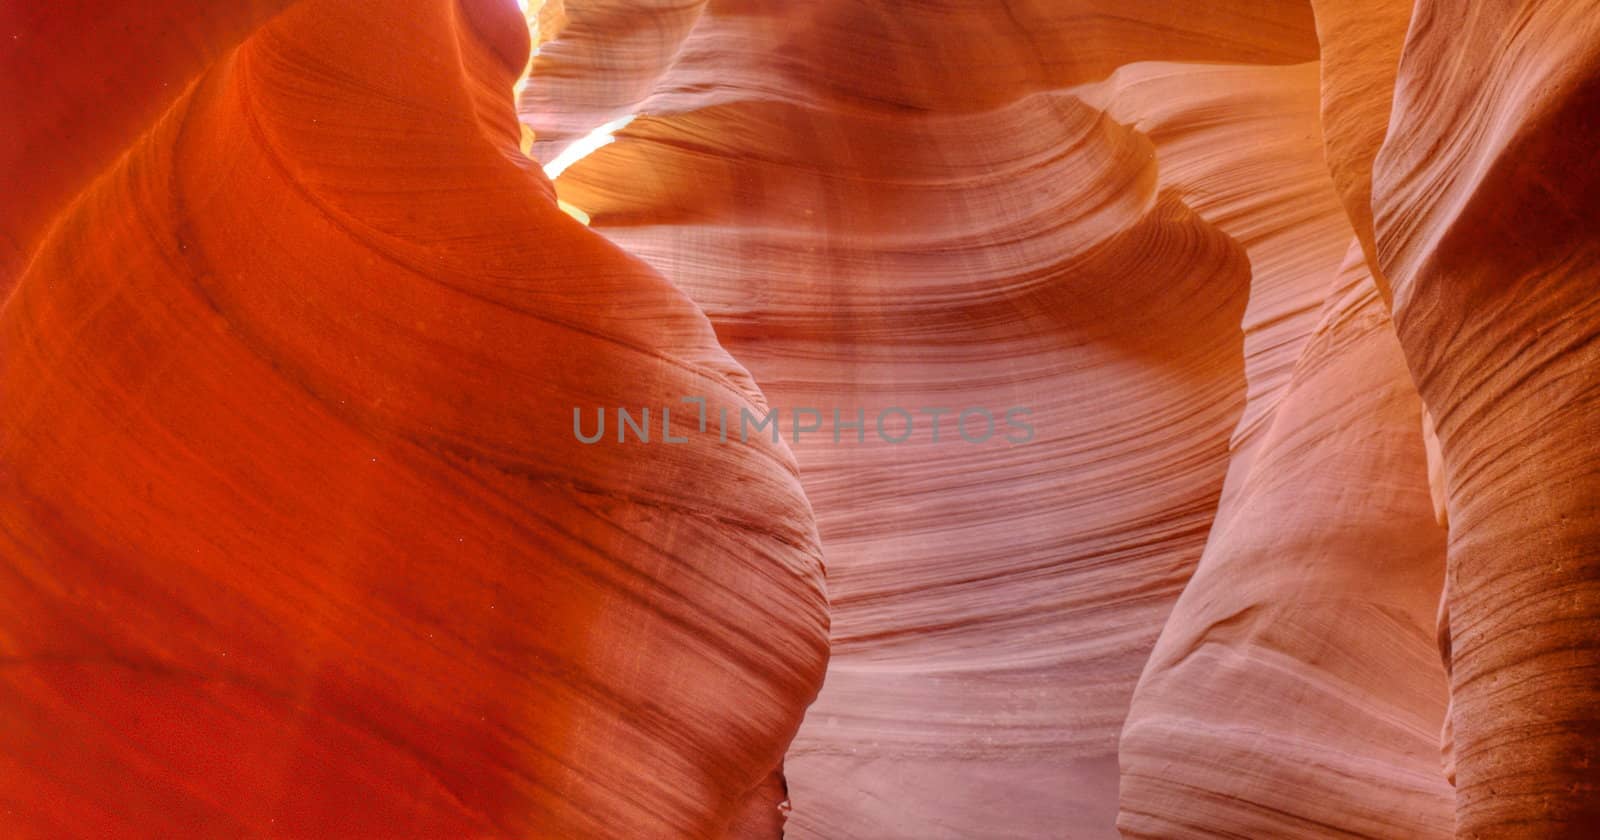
x: 844, y: 223
x: 1297, y: 300
x: 297, y: 540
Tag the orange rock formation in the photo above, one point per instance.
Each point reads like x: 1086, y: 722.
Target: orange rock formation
x: 297, y: 539
x: 1297, y: 300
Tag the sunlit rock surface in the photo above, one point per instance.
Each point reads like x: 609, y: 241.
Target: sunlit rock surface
x: 911, y: 233
x: 297, y: 538
x: 1297, y: 690
x: 1283, y: 313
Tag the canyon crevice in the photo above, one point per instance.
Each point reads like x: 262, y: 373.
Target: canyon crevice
x: 1298, y: 300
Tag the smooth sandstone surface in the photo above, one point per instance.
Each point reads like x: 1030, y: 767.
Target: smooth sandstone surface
x: 1361, y: 44
x: 297, y: 539
x: 1299, y: 299
x: 1487, y: 203
x: 75, y: 100
x: 1296, y: 690
x: 932, y: 577
x: 884, y: 234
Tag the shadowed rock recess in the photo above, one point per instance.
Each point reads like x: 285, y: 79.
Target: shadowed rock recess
x: 1284, y: 521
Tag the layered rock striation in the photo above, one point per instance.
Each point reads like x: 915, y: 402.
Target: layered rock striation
x: 297, y: 539
x: 1203, y: 403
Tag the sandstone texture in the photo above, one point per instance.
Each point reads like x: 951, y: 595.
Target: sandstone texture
x: 297, y: 539
x: 1205, y: 408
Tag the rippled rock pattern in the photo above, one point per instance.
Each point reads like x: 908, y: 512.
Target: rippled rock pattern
x: 297, y: 539
x: 1298, y: 301
x: 1487, y: 205
x: 912, y: 235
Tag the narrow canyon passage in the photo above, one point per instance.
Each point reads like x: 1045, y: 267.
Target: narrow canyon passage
x: 1173, y: 420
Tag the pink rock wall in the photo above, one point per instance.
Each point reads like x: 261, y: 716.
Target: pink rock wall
x: 1282, y: 524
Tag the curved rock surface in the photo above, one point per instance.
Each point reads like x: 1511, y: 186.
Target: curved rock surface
x: 904, y: 233
x: 75, y: 100
x: 297, y: 539
x: 1361, y: 44
x: 932, y: 576
x: 611, y: 58
x: 1278, y: 322
x: 1487, y: 203
x: 1296, y: 690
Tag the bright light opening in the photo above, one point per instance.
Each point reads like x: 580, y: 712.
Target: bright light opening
x: 585, y: 146
x: 573, y: 211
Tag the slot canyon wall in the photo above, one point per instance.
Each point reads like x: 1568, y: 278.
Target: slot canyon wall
x: 1300, y: 299
x: 298, y: 542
